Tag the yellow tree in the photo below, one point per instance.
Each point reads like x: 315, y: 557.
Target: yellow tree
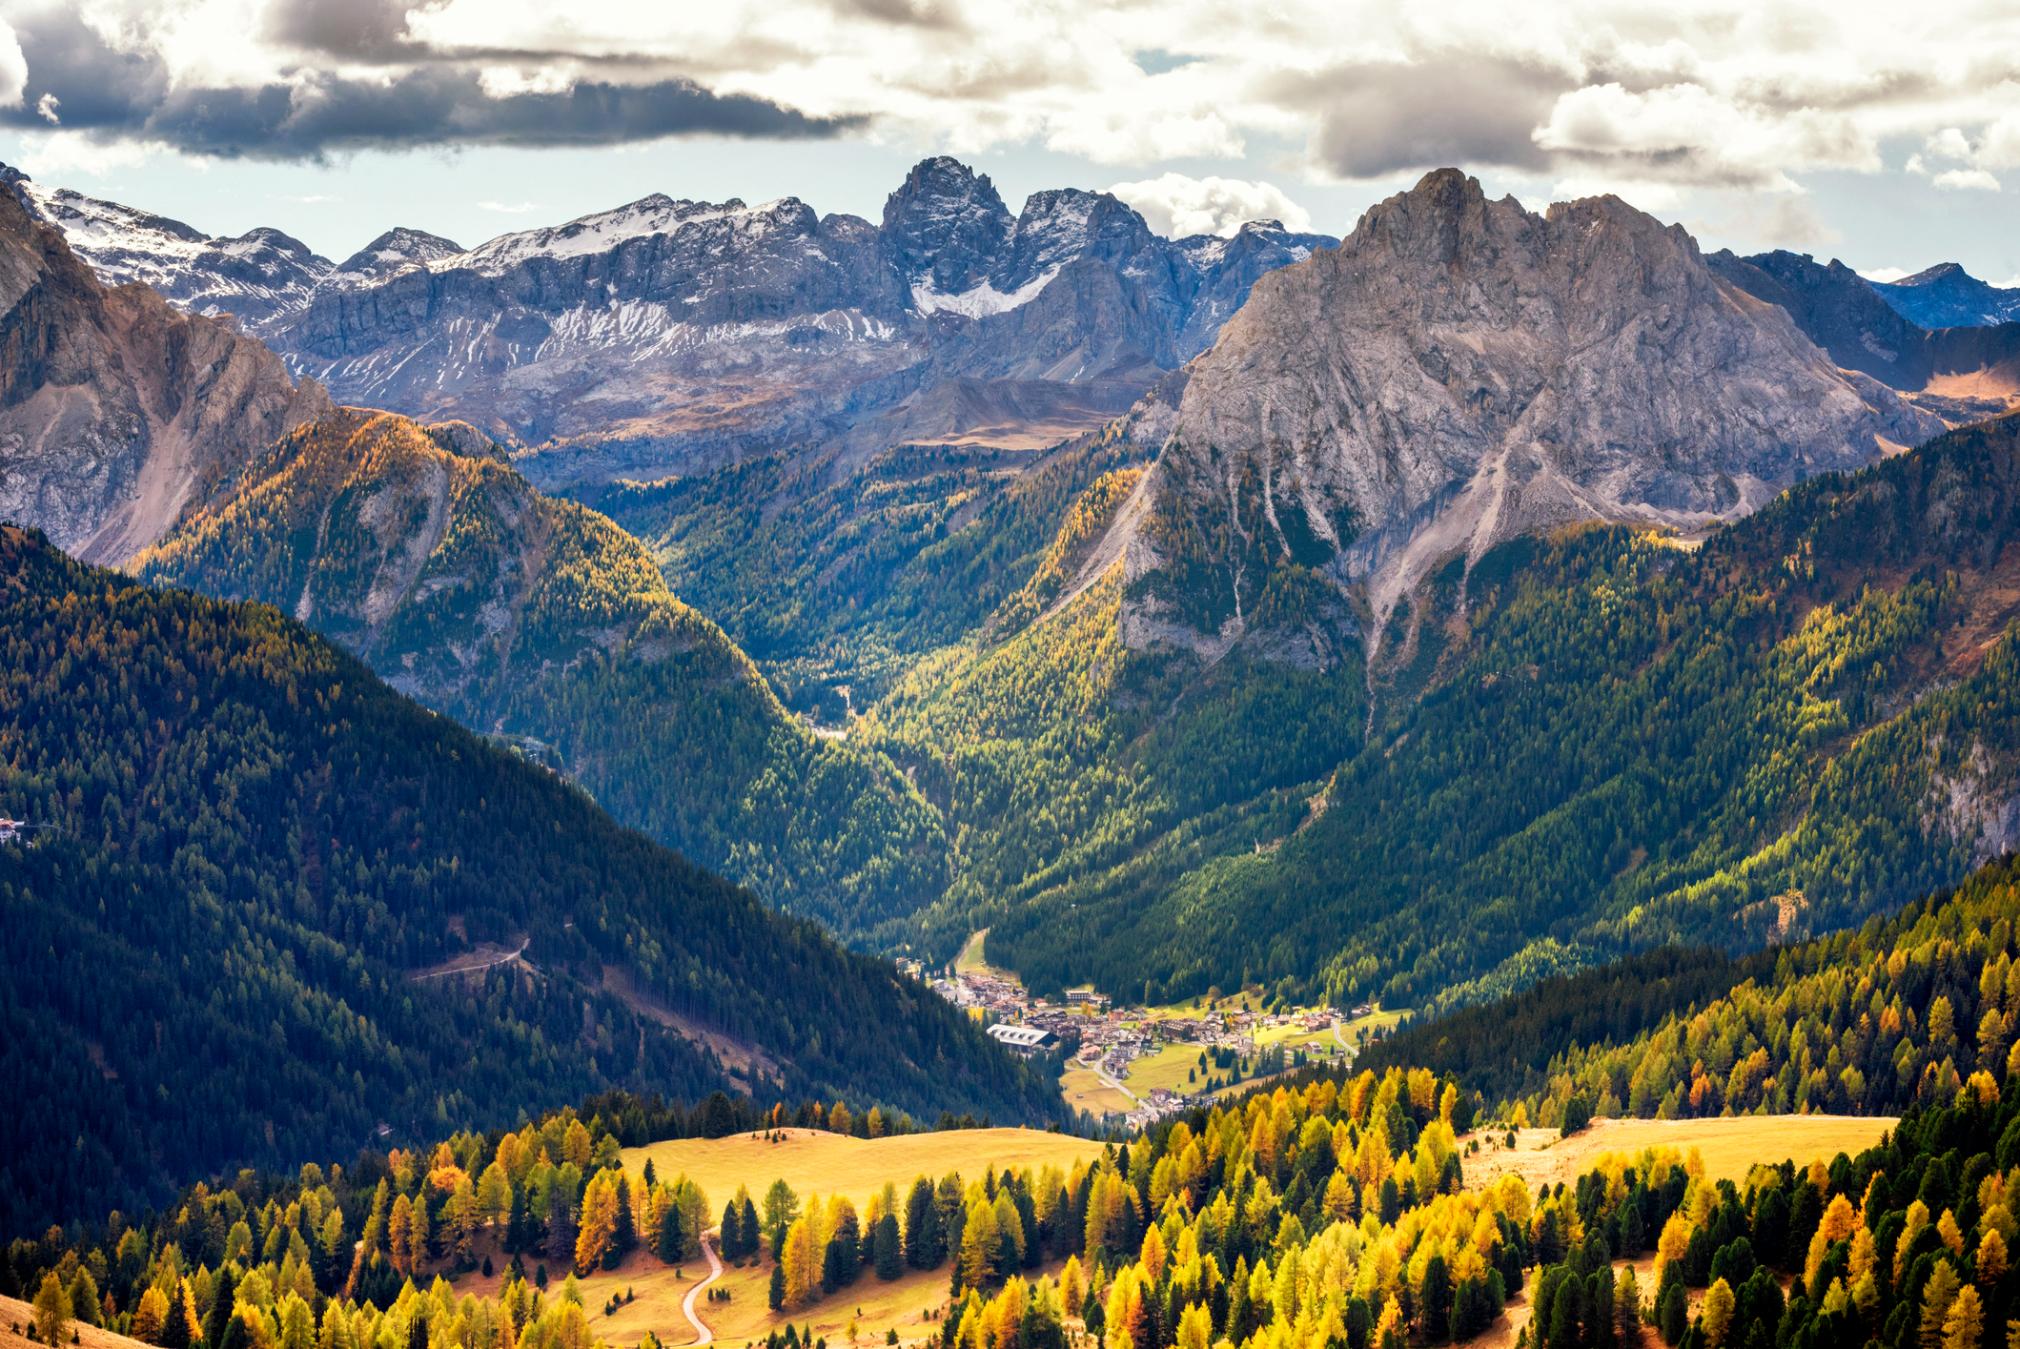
x: 1716, y: 1318
x: 1964, y: 1323
x: 598, y: 1223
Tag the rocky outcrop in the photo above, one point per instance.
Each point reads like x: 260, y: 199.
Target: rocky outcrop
x: 117, y: 412
x: 1461, y: 371
x: 1947, y: 296
x: 1959, y: 374
x: 667, y: 335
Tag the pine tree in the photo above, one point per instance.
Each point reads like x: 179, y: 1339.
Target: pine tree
x: 782, y: 1206
x: 669, y: 1244
x: 177, y: 1331
x: 777, y: 1296
x: 624, y: 1237
x: 731, y: 1239
x: 923, y: 1247
x: 886, y: 1254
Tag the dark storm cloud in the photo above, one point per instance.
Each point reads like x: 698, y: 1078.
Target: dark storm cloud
x: 362, y: 30
x: 114, y: 94
x: 1378, y: 118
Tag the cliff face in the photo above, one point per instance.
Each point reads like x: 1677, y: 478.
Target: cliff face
x: 116, y: 410
x: 1460, y: 371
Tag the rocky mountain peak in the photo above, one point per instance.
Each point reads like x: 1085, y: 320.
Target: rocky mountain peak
x: 117, y: 412
x: 1460, y: 371
x: 397, y: 248
x: 1947, y: 296
x: 945, y: 226
x: 1062, y: 224
x: 1942, y: 271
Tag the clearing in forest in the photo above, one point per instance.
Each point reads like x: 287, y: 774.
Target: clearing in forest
x: 1729, y: 1146
x: 814, y: 1161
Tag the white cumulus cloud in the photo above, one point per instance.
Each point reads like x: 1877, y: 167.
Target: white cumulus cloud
x: 1177, y: 204
x: 13, y: 67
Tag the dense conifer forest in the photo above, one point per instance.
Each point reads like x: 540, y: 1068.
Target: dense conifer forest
x: 248, y: 850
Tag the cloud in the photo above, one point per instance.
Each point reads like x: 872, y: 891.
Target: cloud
x: 1686, y: 133
x: 1377, y: 118
x: 1687, y: 97
x: 113, y: 92
x: 1966, y: 180
x: 1885, y: 274
x: 1996, y: 146
x: 13, y: 67
x: 1177, y: 205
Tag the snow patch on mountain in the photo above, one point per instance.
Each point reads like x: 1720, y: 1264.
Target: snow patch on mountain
x: 980, y: 301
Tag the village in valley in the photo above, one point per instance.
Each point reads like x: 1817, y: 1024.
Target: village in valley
x: 1136, y: 1065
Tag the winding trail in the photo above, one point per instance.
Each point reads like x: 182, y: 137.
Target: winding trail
x: 702, y: 1334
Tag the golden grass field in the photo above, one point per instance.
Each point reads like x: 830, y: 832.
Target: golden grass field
x: 816, y: 1162
x: 1730, y: 1147
x: 14, y: 1312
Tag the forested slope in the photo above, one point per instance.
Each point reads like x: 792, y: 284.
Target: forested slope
x: 246, y: 845
x: 833, y: 574
x: 1595, y: 742
x: 423, y: 551
x: 1902, y: 1011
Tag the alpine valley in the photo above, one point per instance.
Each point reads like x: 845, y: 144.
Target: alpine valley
x: 721, y: 695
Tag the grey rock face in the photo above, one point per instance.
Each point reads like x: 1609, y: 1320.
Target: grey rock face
x: 117, y: 412
x: 668, y: 335
x: 1461, y: 371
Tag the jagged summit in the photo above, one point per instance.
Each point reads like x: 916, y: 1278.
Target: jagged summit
x: 1462, y: 370
x: 667, y: 334
x: 945, y: 226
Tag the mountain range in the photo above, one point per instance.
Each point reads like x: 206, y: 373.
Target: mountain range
x: 1958, y: 373
x: 665, y: 335
x: 1381, y: 525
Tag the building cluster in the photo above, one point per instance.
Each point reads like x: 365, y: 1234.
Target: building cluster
x: 1108, y: 1037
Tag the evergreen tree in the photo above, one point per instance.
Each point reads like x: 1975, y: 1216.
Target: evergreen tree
x: 886, y: 1254
x: 624, y: 1237
x: 924, y: 1248
x: 669, y: 1242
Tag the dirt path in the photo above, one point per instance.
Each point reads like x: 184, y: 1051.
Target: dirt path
x: 702, y: 1334
x: 483, y: 958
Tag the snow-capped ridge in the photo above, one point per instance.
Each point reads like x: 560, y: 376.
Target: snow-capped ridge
x: 602, y: 231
